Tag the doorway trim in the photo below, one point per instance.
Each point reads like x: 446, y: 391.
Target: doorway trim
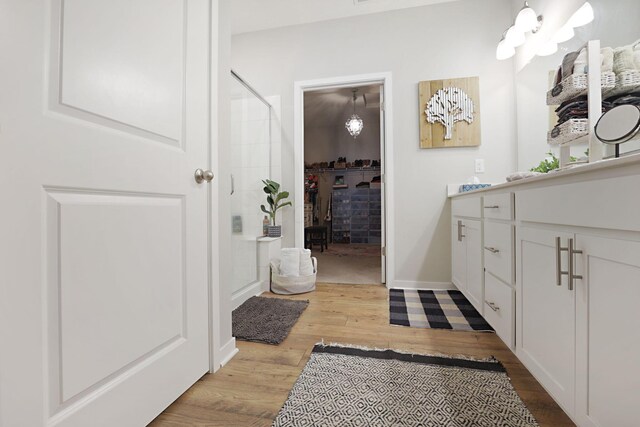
x: 299, y: 89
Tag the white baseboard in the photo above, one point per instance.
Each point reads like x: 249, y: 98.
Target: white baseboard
x: 408, y: 284
x: 227, y: 352
x: 250, y: 291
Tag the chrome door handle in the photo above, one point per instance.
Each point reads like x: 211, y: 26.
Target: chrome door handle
x: 492, y: 207
x: 559, y: 272
x: 492, y: 305
x: 203, y: 175
x: 572, y: 266
x: 492, y: 250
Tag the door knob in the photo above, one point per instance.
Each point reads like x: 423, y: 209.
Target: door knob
x: 203, y: 175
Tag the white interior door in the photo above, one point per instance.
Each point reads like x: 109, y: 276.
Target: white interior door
x: 104, y: 117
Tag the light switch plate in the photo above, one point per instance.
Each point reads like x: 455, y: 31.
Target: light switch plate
x: 479, y: 165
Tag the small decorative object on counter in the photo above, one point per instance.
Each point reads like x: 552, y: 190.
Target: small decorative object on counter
x: 265, y: 226
x: 470, y: 187
x: 276, y: 200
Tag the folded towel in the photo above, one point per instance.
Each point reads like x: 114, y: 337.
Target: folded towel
x: 623, y: 60
x: 580, y: 63
x: 607, y: 60
x: 290, y: 262
x: 521, y: 175
x: 306, y: 267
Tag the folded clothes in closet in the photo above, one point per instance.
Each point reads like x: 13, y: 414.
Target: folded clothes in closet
x: 633, y: 99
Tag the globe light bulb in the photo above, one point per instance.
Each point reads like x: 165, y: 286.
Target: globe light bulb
x: 582, y: 16
x: 514, y: 37
x: 527, y: 20
x: 504, y: 50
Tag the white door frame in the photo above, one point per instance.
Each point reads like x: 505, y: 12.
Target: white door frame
x: 300, y: 87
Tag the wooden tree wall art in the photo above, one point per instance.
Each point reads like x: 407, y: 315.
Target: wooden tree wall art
x: 450, y: 113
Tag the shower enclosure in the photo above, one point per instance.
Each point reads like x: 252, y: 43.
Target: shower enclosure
x: 250, y: 164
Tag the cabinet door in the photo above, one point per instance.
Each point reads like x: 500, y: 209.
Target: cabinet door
x: 545, y: 340
x: 458, y: 255
x: 475, y: 289
x: 608, y: 342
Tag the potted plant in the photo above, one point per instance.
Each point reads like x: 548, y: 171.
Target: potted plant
x: 276, y: 200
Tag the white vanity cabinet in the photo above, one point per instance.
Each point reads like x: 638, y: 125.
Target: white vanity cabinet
x: 573, y: 275
x: 607, y: 336
x: 578, y: 290
x: 466, y: 249
x: 546, y: 311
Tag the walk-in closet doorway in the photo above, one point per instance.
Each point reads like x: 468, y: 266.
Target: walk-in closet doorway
x: 352, y: 200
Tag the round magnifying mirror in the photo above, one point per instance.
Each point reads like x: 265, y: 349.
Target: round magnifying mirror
x: 618, y: 125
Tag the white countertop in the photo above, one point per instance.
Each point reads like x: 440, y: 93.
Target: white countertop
x: 629, y: 160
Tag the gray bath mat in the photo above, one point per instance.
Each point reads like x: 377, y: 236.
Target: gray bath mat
x: 266, y: 320
x: 346, y: 386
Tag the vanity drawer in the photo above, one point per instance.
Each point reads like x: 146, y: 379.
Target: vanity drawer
x: 607, y: 203
x: 499, y: 308
x: 498, y: 206
x: 498, y: 249
x: 467, y: 206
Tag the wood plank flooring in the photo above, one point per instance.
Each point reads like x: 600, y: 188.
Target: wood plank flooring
x: 252, y: 387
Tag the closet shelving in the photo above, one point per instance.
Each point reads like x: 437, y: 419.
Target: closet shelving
x: 346, y: 170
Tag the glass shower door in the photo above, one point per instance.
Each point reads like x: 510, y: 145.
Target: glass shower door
x: 250, y: 164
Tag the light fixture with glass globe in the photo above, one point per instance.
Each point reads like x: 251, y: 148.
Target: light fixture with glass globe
x: 355, y: 124
x: 527, y: 20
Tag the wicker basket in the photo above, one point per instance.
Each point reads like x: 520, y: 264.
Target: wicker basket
x: 577, y: 85
x: 568, y: 131
x: 626, y: 82
x: 291, y: 285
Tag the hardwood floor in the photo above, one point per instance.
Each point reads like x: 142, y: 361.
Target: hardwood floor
x: 252, y: 387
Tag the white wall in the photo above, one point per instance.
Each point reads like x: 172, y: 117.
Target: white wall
x: 613, y: 26
x: 441, y: 41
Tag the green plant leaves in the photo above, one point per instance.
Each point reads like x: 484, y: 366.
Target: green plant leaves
x: 272, y: 188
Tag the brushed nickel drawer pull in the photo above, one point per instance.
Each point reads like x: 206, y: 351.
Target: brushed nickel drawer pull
x: 559, y: 271
x: 492, y: 207
x: 492, y: 305
x: 492, y: 250
x: 572, y: 266
x: 460, y: 235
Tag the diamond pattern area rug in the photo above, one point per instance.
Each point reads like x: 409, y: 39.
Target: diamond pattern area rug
x: 266, y: 320
x: 348, y: 387
x: 434, y: 309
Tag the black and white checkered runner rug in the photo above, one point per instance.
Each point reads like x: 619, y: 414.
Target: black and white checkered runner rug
x: 343, y: 386
x: 434, y: 309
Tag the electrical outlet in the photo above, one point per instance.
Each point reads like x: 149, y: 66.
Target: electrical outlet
x: 479, y: 165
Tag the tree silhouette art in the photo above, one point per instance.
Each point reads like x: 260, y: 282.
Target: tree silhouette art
x: 448, y: 106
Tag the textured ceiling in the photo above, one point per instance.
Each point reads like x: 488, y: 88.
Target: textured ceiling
x: 332, y: 107
x: 256, y: 15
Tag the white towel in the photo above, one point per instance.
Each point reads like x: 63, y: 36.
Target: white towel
x: 580, y: 64
x: 607, y: 60
x: 521, y: 175
x: 623, y: 60
x: 306, y: 267
x: 290, y: 262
